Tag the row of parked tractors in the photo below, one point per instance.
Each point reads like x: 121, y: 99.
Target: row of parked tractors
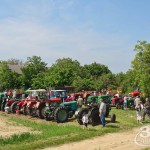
x: 38, y: 103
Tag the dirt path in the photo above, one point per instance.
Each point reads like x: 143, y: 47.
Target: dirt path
x: 112, y: 141
x: 8, y: 128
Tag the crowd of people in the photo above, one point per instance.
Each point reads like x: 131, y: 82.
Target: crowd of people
x: 142, y: 109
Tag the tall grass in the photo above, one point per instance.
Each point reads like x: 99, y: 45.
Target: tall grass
x: 51, y: 134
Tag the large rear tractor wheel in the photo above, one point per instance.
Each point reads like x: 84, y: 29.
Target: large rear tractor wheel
x: 24, y: 110
x: 80, y: 115
x: 94, y: 118
x: 41, y: 111
x: 61, y: 115
x: 13, y: 107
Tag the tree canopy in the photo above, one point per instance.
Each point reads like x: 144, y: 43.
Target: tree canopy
x: 69, y: 72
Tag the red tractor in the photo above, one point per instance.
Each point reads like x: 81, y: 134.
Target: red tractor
x: 36, y: 106
x: 116, y: 100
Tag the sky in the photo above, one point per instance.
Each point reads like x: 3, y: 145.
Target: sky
x: 101, y: 31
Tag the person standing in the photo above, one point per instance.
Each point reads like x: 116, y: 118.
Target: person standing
x: 14, y: 94
x: 139, y: 108
x: 146, y: 108
x: 125, y: 99
x: 136, y: 101
x: 102, y: 112
x: 80, y: 101
x: 85, y: 121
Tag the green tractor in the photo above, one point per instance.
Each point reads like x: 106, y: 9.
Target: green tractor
x: 130, y: 103
x: 60, y: 113
x: 91, y: 107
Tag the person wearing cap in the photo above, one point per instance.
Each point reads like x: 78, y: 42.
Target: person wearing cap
x: 102, y: 112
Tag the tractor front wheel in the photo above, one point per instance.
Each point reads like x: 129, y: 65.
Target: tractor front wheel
x: 61, y: 115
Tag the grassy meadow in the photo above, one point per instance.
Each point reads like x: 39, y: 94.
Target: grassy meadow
x: 53, y: 134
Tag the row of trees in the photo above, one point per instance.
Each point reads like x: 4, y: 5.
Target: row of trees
x: 35, y: 74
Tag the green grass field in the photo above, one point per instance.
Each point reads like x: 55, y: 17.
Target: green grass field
x: 51, y: 133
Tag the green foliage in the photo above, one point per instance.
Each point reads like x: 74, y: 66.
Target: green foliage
x: 95, y: 70
x: 34, y: 66
x: 39, y: 82
x: 14, y: 61
x: 141, y: 66
x: 8, y: 78
x: 63, y: 72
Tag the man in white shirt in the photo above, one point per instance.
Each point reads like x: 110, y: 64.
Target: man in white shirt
x: 102, y: 112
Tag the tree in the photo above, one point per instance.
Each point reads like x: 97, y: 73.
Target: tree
x: 39, y: 81
x: 34, y: 66
x: 63, y: 72
x: 14, y: 61
x: 8, y: 78
x: 95, y: 70
x: 141, y: 66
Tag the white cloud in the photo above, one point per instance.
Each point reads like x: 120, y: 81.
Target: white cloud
x: 22, y: 39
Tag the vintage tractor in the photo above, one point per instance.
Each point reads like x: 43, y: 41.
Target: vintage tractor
x: 116, y: 100
x: 8, y: 104
x: 130, y: 103
x: 91, y: 107
x: 60, y: 113
x: 38, y: 97
x: 55, y: 98
x: 1, y: 99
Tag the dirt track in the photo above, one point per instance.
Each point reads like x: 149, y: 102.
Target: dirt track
x: 112, y: 141
x: 8, y: 128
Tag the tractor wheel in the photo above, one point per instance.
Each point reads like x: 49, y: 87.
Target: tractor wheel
x: 32, y: 111
x: 7, y: 110
x: 41, y: 113
x: 0, y: 107
x: 3, y: 107
x: 61, y: 115
x: 80, y: 114
x: 13, y: 107
x: 117, y: 106
x: 113, y: 118
x: 94, y: 118
x: 47, y: 117
x: 24, y: 110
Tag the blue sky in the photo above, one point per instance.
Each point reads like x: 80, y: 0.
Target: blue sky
x: 102, y: 31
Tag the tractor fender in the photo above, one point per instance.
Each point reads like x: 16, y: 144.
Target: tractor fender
x: 91, y: 110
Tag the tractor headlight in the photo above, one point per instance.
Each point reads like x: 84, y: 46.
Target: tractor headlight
x: 76, y: 112
x: 47, y: 104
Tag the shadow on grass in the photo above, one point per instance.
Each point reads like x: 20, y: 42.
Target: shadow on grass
x: 147, y: 121
x: 108, y: 121
x: 111, y: 126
